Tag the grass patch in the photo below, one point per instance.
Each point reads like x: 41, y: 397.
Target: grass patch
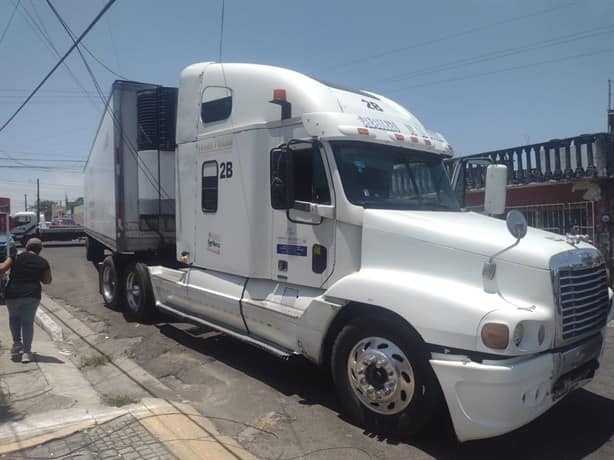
x: 118, y: 400
x: 93, y: 361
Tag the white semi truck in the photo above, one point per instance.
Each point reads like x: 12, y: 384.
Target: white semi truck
x: 311, y: 219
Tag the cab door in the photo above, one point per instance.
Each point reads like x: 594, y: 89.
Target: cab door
x: 303, y: 238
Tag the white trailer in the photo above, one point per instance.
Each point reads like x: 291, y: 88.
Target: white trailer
x: 317, y: 220
x: 129, y: 185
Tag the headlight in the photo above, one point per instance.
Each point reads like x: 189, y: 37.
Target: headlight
x: 496, y: 335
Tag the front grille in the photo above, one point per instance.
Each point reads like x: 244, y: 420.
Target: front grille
x: 583, y: 300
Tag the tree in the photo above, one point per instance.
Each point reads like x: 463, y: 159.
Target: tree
x: 73, y: 204
x: 45, y: 207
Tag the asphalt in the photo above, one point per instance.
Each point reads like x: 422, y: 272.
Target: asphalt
x: 287, y: 409
x: 47, y: 405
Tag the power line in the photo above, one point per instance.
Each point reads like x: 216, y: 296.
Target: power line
x: 46, y: 154
x: 504, y: 53
x: 47, y: 168
x: 45, y: 91
x: 85, y: 32
x: 50, y: 102
x: 42, y: 34
x: 48, y: 96
x: 40, y: 20
x: 449, y: 36
x: 222, y: 31
x: 113, y: 45
x: 83, y: 46
x: 507, y: 69
x: 8, y: 24
x: 54, y: 160
x: 140, y: 163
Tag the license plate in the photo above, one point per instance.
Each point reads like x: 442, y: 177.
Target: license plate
x: 576, y: 365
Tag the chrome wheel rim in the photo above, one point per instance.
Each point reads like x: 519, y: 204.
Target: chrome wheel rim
x: 133, y: 291
x: 108, y: 283
x: 380, y: 375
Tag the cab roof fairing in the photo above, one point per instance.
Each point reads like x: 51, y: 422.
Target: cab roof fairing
x: 253, y: 86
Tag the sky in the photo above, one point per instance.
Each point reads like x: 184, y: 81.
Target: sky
x: 488, y: 74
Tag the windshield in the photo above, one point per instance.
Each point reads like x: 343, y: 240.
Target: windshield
x: 20, y: 220
x: 387, y: 177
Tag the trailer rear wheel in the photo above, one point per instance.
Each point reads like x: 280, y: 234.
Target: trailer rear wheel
x: 139, y: 297
x: 383, y: 377
x: 110, y: 284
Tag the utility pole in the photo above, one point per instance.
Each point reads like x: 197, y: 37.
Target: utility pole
x: 25, y: 197
x: 38, y: 201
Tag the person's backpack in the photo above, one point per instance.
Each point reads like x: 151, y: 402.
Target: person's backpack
x: 4, y: 281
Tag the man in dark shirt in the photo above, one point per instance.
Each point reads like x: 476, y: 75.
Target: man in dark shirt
x: 23, y: 294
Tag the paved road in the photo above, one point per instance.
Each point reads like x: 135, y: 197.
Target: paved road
x: 294, y: 400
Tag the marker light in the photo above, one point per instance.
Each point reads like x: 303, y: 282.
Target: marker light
x: 427, y: 142
x: 518, y: 334
x: 414, y: 139
x: 496, y: 335
x: 363, y: 131
x: 399, y: 137
x: 541, y: 335
x: 279, y: 94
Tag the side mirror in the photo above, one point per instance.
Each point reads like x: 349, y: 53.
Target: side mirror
x: 516, y: 224
x: 282, y: 178
x: 496, y: 189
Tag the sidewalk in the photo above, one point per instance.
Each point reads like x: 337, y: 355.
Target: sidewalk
x: 48, y: 409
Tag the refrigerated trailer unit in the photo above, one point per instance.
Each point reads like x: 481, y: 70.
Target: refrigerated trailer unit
x: 129, y: 179
x: 316, y: 220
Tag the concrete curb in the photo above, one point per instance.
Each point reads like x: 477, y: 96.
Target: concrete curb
x: 185, y: 433
x: 125, y: 364
x: 47, y: 324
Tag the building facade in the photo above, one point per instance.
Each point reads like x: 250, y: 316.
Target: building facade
x: 562, y: 185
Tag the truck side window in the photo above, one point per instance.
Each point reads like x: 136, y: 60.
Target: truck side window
x: 209, y: 186
x: 310, y: 182
x: 216, y: 104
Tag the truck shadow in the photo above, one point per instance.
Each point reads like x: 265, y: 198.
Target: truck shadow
x: 574, y: 428
x: 63, y: 244
x: 293, y: 376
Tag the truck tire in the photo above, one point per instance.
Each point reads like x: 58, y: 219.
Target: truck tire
x: 139, y: 302
x: 110, y: 283
x: 383, y: 377
x: 94, y: 251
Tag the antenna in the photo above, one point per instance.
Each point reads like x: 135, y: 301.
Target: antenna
x: 221, y: 32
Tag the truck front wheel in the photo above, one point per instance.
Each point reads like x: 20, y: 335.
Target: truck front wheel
x: 110, y: 285
x: 139, y: 303
x: 383, y: 377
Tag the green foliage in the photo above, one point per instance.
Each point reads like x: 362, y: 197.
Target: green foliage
x: 93, y: 361
x: 118, y: 400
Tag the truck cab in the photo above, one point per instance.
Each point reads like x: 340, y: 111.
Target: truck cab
x: 318, y: 220
x: 24, y: 226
